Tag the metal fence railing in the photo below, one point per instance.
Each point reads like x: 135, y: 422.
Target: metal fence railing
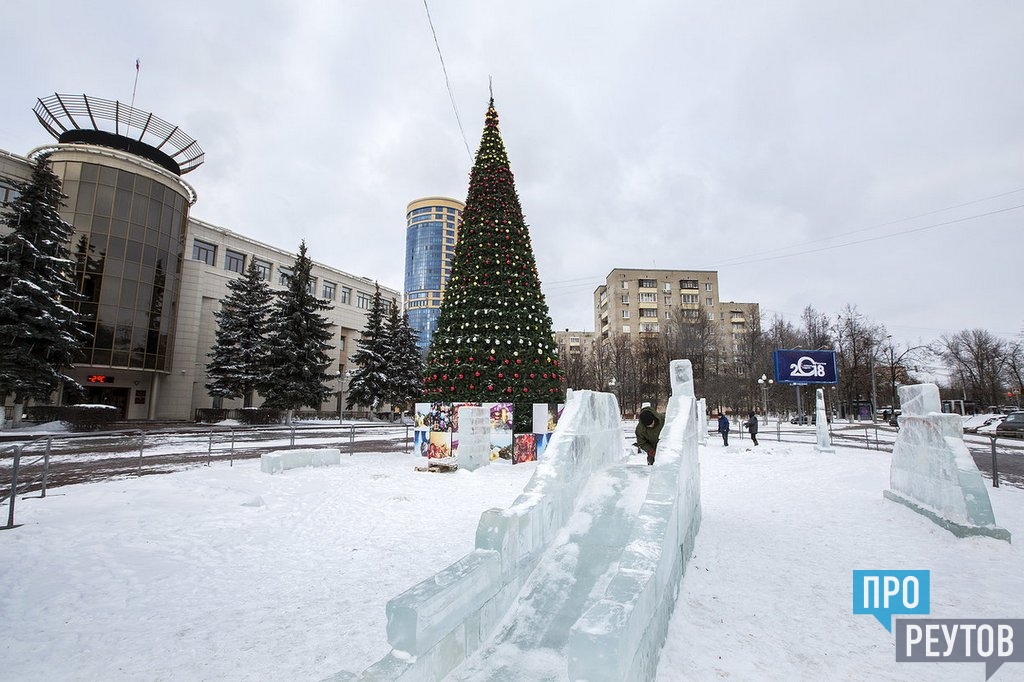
x: 17, y: 452
x: 80, y: 457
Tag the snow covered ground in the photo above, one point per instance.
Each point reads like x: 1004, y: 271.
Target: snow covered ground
x: 227, y: 573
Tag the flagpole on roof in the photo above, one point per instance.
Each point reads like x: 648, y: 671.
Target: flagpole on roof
x: 136, y: 85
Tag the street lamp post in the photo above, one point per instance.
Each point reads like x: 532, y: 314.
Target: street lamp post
x: 342, y: 378
x: 764, y: 382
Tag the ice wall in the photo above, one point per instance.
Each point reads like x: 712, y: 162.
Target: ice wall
x: 474, y: 437
x: 933, y: 473
x: 435, y: 625
x: 621, y: 635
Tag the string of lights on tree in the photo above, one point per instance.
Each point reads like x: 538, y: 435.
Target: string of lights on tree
x: 494, y: 340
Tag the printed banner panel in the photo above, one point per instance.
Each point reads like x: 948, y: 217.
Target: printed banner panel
x: 806, y: 367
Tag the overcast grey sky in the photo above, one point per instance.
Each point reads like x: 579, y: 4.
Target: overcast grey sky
x: 812, y: 152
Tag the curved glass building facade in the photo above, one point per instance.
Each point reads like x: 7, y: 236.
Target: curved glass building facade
x: 432, y: 229
x: 129, y: 235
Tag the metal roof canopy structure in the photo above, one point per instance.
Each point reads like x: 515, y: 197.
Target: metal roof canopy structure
x: 78, y: 118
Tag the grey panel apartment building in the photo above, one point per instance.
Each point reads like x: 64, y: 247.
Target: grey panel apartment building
x: 640, y: 304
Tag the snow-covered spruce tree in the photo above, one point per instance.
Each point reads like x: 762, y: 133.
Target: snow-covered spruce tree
x: 404, y: 359
x: 298, y: 343
x: 370, y: 383
x: 41, y: 334
x: 239, y: 356
x: 494, y: 340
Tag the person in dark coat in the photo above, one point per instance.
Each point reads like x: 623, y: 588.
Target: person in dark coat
x: 751, y: 425
x: 723, y: 428
x: 648, y: 431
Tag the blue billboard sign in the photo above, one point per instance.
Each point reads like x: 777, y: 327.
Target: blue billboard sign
x: 806, y: 367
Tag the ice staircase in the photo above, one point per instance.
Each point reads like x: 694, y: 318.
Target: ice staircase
x: 577, y: 579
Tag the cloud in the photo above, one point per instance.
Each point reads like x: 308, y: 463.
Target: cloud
x: 667, y: 134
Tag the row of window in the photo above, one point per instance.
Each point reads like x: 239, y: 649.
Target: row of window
x: 428, y: 209
x: 235, y: 261
x: 644, y: 327
x: 667, y: 286
x: 653, y: 298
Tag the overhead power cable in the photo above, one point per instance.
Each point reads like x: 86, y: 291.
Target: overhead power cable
x: 447, y: 83
x: 743, y: 259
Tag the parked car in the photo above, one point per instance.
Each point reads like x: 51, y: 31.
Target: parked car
x: 808, y: 419
x: 1012, y: 426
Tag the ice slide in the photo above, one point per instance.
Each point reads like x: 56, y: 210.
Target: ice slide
x: 578, y: 578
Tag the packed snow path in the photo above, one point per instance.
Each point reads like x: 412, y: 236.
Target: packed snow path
x: 530, y: 644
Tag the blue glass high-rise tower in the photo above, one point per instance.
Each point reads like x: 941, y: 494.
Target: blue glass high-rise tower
x: 432, y: 228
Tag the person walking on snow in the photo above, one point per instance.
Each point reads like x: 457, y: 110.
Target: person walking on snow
x: 723, y: 428
x: 648, y: 430
x: 751, y: 425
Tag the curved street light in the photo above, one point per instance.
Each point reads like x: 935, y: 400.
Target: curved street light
x: 764, y: 382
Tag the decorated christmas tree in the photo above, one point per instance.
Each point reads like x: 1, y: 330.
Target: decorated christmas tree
x: 494, y: 340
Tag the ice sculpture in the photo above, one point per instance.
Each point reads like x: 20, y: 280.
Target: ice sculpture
x: 933, y: 473
x: 282, y: 460
x: 824, y: 439
x: 702, y: 421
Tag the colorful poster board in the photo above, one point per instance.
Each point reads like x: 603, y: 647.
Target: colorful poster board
x: 437, y: 424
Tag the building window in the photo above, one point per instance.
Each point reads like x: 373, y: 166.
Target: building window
x: 341, y: 343
x: 709, y: 301
x: 625, y: 284
x: 668, y: 300
x: 711, y: 315
x: 363, y: 300
x: 691, y: 298
x: 650, y: 327
x: 263, y: 267
x: 204, y: 252
x: 707, y: 286
x: 625, y: 314
x: 234, y: 261
x: 648, y: 298
x: 625, y: 299
x: 7, y: 194
x: 667, y: 287
x: 668, y: 314
x: 311, y: 286
x: 346, y: 295
x: 625, y: 329
x: 648, y: 284
x: 688, y: 284
x: 648, y: 312
x: 284, y: 275
x: 329, y: 289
